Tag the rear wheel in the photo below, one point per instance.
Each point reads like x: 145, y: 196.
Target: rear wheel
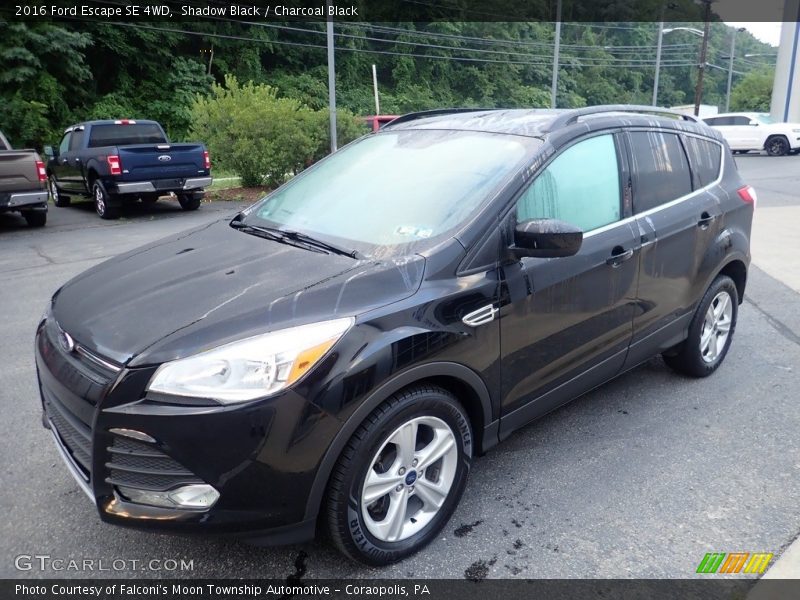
x: 777, y: 145
x: 35, y: 218
x: 59, y: 199
x: 710, y: 332
x: 190, y: 201
x: 400, y: 476
x: 101, y: 202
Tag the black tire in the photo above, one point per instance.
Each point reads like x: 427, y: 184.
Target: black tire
x: 777, y: 145
x: 346, y: 524
x: 35, y: 218
x: 102, y: 204
x: 190, y: 201
x: 688, y: 357
x: 59, y: 199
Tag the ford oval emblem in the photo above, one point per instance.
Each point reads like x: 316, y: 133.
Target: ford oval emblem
x: 66, y: 341
x: 165, y: 158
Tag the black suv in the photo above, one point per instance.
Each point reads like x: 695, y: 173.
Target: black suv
x: 341, y: 350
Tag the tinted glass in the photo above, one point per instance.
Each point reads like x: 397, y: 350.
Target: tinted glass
x: 121, y: 135
x: 741, y: 120
x: 713, y: 121
x: 77, y: 140
x: 723, y: 121
x: 660, y: 168
x: 704, y: 157
x: 581, y: 186
x: 63, y: 147
x: 396, y: 188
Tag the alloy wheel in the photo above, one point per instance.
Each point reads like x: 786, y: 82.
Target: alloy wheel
x: 409, y: 479
x: 716, y: 327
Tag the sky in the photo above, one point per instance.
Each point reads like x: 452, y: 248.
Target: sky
x: 769, y: 33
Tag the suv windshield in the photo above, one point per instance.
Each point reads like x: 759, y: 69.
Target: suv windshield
x: 765, y: 118
x: 396, y: 188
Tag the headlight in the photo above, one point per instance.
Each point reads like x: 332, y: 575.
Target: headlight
x: 251, y: 368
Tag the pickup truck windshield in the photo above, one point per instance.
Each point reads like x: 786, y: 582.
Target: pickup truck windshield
x: 126, y: 134
x: 396, y: 188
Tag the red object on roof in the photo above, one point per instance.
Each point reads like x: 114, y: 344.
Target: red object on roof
x: 375, y: 122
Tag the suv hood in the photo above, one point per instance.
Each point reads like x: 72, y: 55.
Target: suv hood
x: 213, y: 285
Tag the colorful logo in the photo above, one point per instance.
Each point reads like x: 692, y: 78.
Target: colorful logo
x: 734, y: 562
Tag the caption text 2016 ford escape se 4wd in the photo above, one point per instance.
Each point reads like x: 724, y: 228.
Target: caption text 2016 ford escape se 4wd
x: 337, y: 353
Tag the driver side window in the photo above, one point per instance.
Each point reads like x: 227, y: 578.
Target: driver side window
x: 63, y: 147
x: 581, y: 186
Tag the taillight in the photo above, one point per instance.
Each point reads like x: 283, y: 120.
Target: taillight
x: 114, y: 166
x: 206, y: 160
x: 41, y: 170
x: 748, y: 194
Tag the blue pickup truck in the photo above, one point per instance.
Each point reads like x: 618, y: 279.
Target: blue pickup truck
x: 114, y: 162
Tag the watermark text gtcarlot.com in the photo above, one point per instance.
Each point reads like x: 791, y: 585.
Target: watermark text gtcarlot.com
x: 46, y: 562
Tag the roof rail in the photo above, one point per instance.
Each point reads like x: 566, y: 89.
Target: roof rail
x: 572, y: 116
x: 433, y: 113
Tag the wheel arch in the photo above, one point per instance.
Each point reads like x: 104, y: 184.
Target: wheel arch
x: 464, y: 383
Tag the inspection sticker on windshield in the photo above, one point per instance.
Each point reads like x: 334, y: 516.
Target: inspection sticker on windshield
x: 420, y: 232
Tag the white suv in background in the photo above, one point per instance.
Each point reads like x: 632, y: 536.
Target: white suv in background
x: 757, y: 131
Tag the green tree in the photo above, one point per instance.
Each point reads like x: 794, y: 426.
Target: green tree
x: 753, y: 92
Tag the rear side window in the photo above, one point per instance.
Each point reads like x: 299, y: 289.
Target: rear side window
x: 122, y: 135
x: 660, y: 168
x: 581, y: 186
x: 705, y: 157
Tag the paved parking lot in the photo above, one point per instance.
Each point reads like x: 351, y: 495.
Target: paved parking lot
x: 639, y: 478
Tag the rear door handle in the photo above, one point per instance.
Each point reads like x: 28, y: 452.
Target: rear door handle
x: 618, y: 256
x: 705, y: 220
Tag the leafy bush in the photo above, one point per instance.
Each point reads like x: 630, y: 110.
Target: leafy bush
x: 260, y: 136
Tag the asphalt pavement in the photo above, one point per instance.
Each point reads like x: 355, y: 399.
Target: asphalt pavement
x: 640, y: 478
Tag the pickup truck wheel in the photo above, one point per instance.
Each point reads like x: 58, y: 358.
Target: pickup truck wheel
x: 777, y: 145
x: 189, y: 201
x: 101, y: 205
x: 35, y: 218
x: 59, y: 199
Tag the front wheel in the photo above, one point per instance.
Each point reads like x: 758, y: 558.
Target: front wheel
x: 710, y: 332
x: 777, y: 146
x: 101, y: 202
x: 400, y: 476
x: 59, y: 199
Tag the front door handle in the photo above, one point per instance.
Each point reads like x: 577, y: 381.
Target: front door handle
x: 705, y: 220
x: 618, y: 256
x: 63, y: 161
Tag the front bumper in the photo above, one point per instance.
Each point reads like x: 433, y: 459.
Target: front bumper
x: 261, y: 457
x: 161, y: 186
x: 24, y: 200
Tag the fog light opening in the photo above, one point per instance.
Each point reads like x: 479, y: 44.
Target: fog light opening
x: 194, y: 497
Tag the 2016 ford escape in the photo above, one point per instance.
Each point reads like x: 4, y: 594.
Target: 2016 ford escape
x: 340, y: 351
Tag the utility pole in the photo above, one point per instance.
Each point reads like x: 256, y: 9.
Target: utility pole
x: 730, y: 68
x: 375, y: 89
x: 701, y: 68
x: 556, y: 49
x: 331, y: 78
x: 658, y: 59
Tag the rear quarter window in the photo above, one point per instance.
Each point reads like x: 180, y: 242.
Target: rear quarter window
x: 705, y: 158
x: 660, y: 169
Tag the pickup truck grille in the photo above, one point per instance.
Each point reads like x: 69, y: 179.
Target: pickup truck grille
x: 143, y: 466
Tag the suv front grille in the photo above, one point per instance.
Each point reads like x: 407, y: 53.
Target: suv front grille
x: 143, y: 466
x: 75, y: 436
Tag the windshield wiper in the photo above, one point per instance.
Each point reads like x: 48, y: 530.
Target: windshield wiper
x: 293, y: 237
x: 312, y: 241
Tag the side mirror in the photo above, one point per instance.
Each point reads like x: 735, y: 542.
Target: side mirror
x: 754, y: 123
x: 49, y: 152
x: 546, y: 238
